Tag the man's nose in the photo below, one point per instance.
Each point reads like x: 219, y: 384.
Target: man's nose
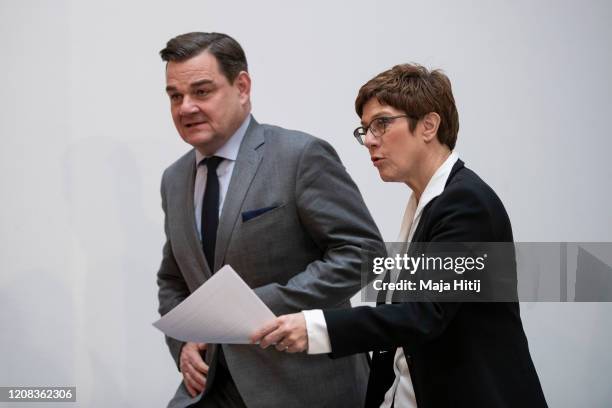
x: 187, y: 106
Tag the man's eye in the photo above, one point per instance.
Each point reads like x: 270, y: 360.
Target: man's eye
x: 175, y: 97
x: 201, y: 92
x: 382, y: 122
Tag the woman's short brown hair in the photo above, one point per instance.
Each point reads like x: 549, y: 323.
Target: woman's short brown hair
x: 416, y: 91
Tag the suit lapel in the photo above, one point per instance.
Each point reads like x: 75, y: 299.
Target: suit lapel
x: 186, y: 214
x: 418, y: 233
x: 414, y: 246
x: 247, y: 163
x: 458, y: 166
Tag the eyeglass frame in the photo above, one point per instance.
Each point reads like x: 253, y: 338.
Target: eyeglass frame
x: 361, y: 132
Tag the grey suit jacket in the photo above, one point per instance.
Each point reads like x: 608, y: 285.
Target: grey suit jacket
x: 301, y: 251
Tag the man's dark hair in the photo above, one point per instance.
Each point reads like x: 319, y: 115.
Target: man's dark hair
x: 416, y: 91
x: 225, y: 49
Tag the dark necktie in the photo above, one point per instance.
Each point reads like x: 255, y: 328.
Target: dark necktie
x: 210, y: 211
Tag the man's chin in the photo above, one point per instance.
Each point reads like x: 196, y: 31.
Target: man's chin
x: 207, y: 144
x: 197, y: 139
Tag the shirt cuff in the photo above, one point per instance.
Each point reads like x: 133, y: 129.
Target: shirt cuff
x: 316, y: 327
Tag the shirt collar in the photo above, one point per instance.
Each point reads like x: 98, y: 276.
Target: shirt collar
x: 229, y: 150
x: 436, y: 183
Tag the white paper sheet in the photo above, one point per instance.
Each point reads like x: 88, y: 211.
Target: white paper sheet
x: 223, y: 310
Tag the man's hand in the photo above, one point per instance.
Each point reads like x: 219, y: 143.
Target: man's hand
x: 288, y: 333
x: 193, y: 367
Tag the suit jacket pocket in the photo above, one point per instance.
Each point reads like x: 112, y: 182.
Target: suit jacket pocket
x: 251, y: 214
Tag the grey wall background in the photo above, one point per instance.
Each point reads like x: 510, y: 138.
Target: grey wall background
x: 86, y: 132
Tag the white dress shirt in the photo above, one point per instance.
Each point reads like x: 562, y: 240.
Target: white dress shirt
x: 401, y: 393
x: 229, y: 152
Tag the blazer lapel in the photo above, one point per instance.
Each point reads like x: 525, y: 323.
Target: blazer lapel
x: 247, y: 163
x: 414, y: 247
x: 186, y: 216
x: 458, y: 166
x: 418, y: 233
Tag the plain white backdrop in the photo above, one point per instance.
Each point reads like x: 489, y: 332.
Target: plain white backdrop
x: 86, y: 132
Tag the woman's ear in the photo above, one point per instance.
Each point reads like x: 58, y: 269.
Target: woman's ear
x: 430, y: 124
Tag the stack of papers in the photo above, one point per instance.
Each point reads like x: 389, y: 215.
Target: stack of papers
x: 223, y: 310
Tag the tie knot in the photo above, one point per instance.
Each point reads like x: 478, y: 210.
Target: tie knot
x: 212, y: 162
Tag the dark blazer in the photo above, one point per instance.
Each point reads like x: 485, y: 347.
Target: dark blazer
x: 460, y: 354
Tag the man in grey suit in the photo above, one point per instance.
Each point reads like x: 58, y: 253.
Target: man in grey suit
x: 278, y: 206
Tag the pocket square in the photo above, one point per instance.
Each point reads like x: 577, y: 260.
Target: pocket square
x: 247, y: 215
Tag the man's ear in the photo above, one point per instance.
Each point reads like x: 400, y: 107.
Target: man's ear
x: 243, y: 84
x: 430, y: 125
